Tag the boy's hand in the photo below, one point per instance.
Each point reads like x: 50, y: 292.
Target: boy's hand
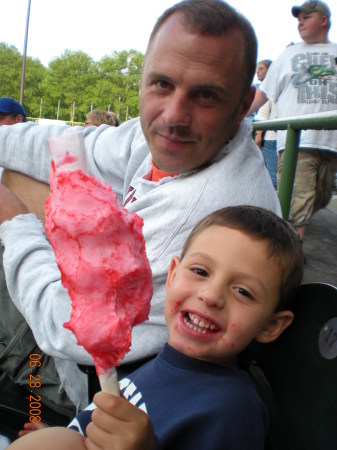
x: 29, y: 427
x: 118, y: 425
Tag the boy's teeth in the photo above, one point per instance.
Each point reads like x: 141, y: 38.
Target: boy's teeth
x: 197, y: 324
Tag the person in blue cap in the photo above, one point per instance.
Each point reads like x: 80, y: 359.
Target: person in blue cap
x: 11, y: 112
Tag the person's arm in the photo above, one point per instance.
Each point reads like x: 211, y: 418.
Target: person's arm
x: 53, y: 438
x: 262, y: 114
x: 259, y: 100
x: 32, y: 193
x: 24, y: 148
x: 258, y: 137
x: 116, y: 423
x: 39, y: 295
x: 32, y: 275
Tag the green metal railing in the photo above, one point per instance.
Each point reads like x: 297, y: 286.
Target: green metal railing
x: 294, y: 125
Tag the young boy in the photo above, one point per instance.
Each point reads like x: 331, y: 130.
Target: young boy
x: 234, y: 283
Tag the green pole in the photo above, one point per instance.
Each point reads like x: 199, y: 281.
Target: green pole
x: 288, y: 170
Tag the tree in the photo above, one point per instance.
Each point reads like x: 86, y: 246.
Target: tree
x: 75, y: 83
x: 10, y: 71
x: 68, y: 80
x: 118, y: 87
x: 10, y: 77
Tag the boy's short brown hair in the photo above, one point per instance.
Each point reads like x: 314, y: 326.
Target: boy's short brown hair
x: 283, y: 243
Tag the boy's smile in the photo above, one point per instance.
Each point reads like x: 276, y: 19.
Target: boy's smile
x: 221, y: 295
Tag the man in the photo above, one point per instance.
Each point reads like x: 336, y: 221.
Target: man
x: 187, y: 155
x: 303, y: 80
x: 11, y: 112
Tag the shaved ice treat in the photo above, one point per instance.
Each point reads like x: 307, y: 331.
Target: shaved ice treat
x: 100, y: 251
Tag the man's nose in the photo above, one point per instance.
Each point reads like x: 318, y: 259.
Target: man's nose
x: 177, y: 110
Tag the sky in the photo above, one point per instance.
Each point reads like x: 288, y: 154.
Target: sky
x: 99, y: 27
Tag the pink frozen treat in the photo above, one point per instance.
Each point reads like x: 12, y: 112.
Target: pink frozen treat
x: 100, y: 251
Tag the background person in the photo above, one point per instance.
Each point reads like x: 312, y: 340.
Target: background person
x: 266, y: 140
x: 97, y: 117
x: 11, y: 112
x: 303, y: 80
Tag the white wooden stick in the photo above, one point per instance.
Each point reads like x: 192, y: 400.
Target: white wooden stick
x: 109, y: 381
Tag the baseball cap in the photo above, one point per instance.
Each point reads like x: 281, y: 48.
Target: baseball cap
x: 310, y: 7
x: 10, y: 106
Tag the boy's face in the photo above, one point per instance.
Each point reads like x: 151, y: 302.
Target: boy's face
x: 221, y: 295
x: 310, y: 27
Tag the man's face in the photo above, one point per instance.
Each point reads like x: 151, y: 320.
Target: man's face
x: 8, y: 119
x: 191, y: 95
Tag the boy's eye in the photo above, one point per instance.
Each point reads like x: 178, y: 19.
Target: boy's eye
x: 244, y: 293
x: 200, y: 272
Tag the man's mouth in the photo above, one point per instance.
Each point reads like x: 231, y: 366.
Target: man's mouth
x: 199, y: 324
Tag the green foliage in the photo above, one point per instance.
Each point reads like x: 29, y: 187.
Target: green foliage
x: 10, y: 77
x: 73, y: 83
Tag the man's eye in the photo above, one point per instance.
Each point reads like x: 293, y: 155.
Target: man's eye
x: 206, y: 95
x: 163, y: 84
x: 244, y: 293
x: 200, y: 272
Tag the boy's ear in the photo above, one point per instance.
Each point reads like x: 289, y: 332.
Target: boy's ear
x: 277, y: 324
x: 172, y: 270
x: 324, y: 21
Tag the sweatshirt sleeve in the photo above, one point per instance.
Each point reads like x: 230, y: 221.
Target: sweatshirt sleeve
x: 32, y: 276
x: 33, y: 281
x: 24, y: 148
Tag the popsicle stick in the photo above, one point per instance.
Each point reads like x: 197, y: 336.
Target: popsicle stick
x: 68, y: 151
x: 109, y: 381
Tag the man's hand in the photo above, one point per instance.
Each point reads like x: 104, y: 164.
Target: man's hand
x: 117, y: 424
x: 10, y: 205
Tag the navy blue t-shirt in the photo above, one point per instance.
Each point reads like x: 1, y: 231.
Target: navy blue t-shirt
x: 194, y: 404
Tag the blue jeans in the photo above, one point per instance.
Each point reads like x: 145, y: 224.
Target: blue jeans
x: 270, y: 159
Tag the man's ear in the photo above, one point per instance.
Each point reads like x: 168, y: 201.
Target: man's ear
x: 247, y: 102
x: 276, y: 325
x: 172, y: 271
x: 243, y: 110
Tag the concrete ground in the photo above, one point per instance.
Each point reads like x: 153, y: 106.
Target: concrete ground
x: 320, y: 246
